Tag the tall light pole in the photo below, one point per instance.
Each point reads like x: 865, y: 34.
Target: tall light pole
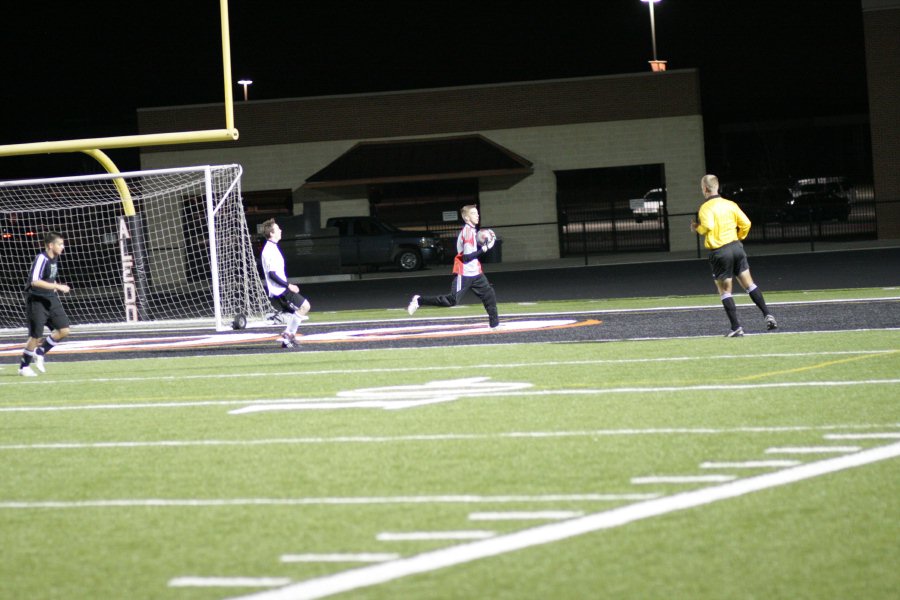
x: 247, y: 82
x: 655, y: 64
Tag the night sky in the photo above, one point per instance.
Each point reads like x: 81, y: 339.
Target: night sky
x: 74, y: 70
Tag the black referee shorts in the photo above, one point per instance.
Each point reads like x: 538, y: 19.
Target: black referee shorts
x: 42, y: 311
x: 728, y: 261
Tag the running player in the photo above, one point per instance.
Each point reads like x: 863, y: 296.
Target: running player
x: 43, y: 307
x: 724, y: 225
x: 467, y: 270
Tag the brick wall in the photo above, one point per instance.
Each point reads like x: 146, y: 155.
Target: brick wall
x: 881, y: 21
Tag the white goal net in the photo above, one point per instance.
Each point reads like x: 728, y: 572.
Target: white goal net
x: 185, y: 253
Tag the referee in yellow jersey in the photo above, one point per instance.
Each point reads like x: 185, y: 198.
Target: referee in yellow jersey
x: 723, y: 226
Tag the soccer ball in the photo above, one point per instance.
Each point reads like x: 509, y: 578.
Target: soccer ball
x: 486, y: 235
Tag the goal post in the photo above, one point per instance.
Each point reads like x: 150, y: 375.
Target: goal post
x: 185, y: 254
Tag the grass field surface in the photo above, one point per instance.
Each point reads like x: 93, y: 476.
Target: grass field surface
x: 703, y: 468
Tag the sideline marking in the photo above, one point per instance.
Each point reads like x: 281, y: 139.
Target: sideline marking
x: 544, y: 534
x: 442, y: 368
x: 407, y: 332
x: 455, y: 437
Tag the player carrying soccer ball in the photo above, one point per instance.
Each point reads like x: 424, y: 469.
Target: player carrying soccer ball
x: 470, y: 244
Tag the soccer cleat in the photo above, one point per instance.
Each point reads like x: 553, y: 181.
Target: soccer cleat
x: 38, y: 363
x: 287, y: 340
x: 413, y: 305
x: 739, y: 332
x: 27, y: 372
x: 771, y: 323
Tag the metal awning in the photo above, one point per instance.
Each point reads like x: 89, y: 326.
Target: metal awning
x: 433, y: 159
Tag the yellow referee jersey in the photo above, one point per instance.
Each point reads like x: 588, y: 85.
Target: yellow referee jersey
x: 721, y: 222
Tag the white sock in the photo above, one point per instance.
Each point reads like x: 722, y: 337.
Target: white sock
x: 294, y: 323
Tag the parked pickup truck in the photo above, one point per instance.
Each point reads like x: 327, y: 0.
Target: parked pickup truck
x: 368, y: 241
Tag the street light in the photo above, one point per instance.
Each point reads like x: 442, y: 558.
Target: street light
x: 655, y: 65
x: 245, y: 83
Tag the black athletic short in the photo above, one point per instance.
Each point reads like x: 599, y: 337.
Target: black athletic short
x: 728, y: 261
x: 42, y: 311
x: 288, y: 302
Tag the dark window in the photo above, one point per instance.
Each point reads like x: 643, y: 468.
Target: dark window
x: 614, y: 209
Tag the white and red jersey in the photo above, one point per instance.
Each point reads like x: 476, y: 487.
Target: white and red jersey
x: 467, y: 243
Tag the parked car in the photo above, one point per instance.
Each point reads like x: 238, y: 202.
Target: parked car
x: 369, y: 241
x: 818, y: 205
x: 650, y: 206
x: 762, y: 204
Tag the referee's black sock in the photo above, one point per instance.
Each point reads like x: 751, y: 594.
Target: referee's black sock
x: 730, y: 310
x: 758, y: 300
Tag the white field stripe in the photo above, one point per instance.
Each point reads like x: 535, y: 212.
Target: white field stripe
x: 228, y: 581
x: 504, y: 394
x: 863, y: 436
x: 418, y: 536
x: 444, y: 368
x: 813, y: 450
x: 439, y: 437
x: 682, y: 479
x: 369, y: 557
x: 538, y: 515
x: 544, y: 534
x: 325, y: 501
x: 751, y: 464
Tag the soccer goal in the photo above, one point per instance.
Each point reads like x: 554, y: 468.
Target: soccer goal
x: 167, y: 246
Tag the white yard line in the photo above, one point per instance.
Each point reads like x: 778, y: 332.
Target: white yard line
x: 365, y: 557
x: 544, y: 534
x: 189, y: 581
x: 682, y: 479
x: 751, y: 464
x: 813, y: 450
x: 863, y: 436
x: 582, y: 392
x: 539, y: 515
x: 323, y: 501
x: 422, y: 536
x: 455, y: 437
x: 442, y: 368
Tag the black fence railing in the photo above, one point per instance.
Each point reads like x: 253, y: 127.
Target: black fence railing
x: 586, y: 233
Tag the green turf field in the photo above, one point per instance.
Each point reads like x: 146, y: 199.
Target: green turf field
x: 652, y: 469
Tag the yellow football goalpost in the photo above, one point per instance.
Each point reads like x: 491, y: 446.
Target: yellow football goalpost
x: 92, y: 146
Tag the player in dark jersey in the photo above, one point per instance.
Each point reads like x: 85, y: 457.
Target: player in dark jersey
x: 43, y: 307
